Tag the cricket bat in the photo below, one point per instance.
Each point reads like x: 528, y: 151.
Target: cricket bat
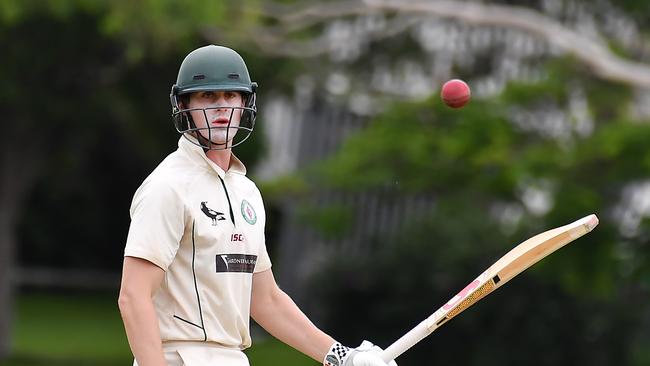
x: 511, y: 264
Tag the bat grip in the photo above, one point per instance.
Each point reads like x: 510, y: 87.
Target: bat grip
x: 407, y: 341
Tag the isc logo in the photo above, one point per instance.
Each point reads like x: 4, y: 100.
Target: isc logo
x: 236, y: 237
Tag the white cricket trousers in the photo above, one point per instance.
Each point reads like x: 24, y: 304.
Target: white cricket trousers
x: 201, y: 354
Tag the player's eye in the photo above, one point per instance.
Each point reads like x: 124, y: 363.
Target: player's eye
x: 208, y: 94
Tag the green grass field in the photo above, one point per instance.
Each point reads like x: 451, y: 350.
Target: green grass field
x: 85, y: 329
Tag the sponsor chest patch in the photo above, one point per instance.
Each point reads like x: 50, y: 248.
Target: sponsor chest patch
x: 243, y: 263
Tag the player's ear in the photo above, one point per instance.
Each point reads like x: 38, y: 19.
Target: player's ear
x: 184, y: 101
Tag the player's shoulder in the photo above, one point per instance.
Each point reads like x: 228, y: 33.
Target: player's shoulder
x: 177, y: 163
x: 172, y: 176
x: 246, y: 185
x: 178, y: 167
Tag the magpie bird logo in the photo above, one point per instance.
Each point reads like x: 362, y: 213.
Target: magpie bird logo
x: 212, y: 214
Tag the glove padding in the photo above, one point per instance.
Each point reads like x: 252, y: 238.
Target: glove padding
x: 367, y: 354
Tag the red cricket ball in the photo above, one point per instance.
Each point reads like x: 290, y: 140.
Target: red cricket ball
x: 455, y: 93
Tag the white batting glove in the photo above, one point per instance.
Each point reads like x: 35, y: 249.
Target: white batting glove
x: 367, y: 354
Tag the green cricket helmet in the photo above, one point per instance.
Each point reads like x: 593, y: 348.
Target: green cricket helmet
x: 214, y: 68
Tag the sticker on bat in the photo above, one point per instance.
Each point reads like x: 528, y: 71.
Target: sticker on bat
x: 467, y: 290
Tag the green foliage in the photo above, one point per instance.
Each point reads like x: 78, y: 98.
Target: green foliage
x: 530, y: 321
x: 93, y: 125
x: 420, y: 145
x: 146, y: 27
x: 93, y: 105
x: 155, y: 25
x: 472, y: 161
x: 293, y: 186
x: 333, y: 220
x: 637, y: 9
x: 13, y: 12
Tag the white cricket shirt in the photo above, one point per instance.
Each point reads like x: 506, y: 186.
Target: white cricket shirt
x: 205, y: 228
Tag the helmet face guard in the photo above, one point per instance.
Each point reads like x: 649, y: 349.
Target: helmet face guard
x: 241, y: 121
x: 214, y: 68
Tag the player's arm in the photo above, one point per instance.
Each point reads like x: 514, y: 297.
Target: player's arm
x: 140, y: 280
x: 274, y: 310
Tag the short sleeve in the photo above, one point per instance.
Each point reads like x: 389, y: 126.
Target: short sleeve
x: 263, y: 259
x: 157, y: 223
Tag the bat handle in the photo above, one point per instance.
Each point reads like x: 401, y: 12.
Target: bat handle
x: 407, y: 341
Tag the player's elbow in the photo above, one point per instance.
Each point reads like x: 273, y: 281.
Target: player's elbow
x: 126, y: 302
x: 123, y: 303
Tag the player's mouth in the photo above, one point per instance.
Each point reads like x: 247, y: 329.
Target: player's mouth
x: 220, y: 121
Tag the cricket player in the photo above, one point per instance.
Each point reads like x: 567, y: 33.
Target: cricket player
x: 196, y: 266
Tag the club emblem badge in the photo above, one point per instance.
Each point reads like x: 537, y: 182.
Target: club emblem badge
x: 248, y: 212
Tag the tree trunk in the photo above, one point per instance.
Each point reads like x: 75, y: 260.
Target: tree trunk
x: 6, y: 291
x: 18, y: 174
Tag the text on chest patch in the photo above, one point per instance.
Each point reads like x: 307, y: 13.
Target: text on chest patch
x: 242, y: 263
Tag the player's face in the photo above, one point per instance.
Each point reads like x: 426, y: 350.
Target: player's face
x: 218, y: 114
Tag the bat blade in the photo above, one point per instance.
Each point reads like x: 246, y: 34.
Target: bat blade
x: 503, y: 270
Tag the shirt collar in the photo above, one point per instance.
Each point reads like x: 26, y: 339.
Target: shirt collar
x: 188, y: 144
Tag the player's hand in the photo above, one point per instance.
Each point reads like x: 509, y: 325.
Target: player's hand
x: 367, y: 354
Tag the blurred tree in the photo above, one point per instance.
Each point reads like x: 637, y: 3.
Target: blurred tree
x: 89, y: 114
x: 487, y: 170
x: 287, y: 33
x: 81, y: 112
x: 538, y: 155
x: 46, y: 105
x: 113, y: 50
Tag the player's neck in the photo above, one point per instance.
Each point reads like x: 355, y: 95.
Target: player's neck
x: 220, y: 157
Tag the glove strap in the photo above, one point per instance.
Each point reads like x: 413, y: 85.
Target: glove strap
x: 337, y: 355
